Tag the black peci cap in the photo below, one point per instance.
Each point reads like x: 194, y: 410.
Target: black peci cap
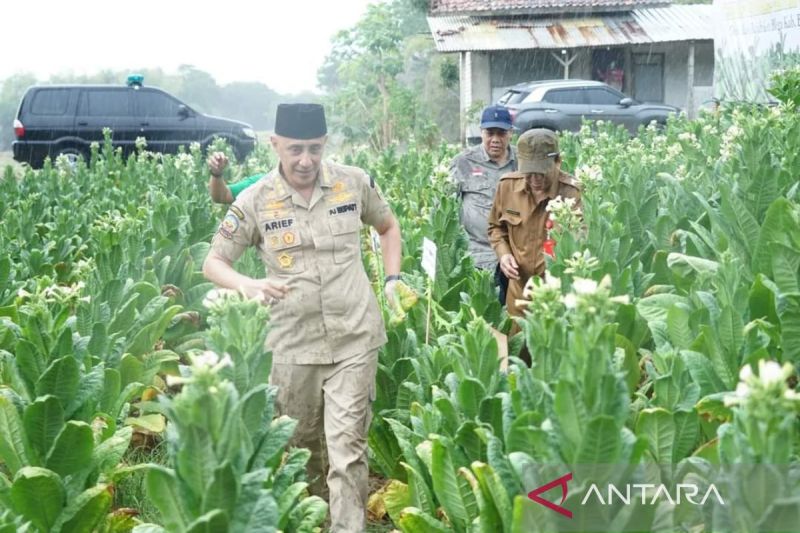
x: 300, y: 121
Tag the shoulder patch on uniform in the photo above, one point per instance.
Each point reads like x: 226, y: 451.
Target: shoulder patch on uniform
x: 229, y: 225
x: 236, y: 211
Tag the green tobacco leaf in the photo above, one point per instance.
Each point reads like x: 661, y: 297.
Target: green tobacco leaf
x: 680, y: 332
x: 702, y: 372
x: 110, y: 452
x: 131, y: 370
x: 223, y: 490
x: 86, y: 512
x: 712, y: 407
x: 272, y: 446
x: 419, y: 492
x: 658, y: 426
x: 13, y: 448
x: 776, y: 223
x: 762, y: 300
x: 72, y: 449
x: 687, y: 434
x: 308, y: 515
x: 571, y: 417
x: 43, y: 420
x: 163, y: 491
x: 90, y: 390
x: 785, y: 264
x: 684, y: 265
x: 144, y: 340
x: 38, y: 495
x: 413, y: 520
x: 790, y: 328
x: 30, y: 363
x: 654, y: 308
x: 601, y: 443
x: 470, y: 393
x: 61, y: 379
x: 211, y: 522
x: 446, y: 487
x: 493, y: 498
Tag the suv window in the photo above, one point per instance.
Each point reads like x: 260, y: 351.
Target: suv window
x: 564, y: 96
x: 105, y: 103
x: 512, y: 97
x: 599, y: 96
x: 50, y: 102
x: 156, y: 104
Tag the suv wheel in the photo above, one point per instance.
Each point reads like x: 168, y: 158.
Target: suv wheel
x: 72, y: 155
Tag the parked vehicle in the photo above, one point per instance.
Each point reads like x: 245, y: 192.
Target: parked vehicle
x: 564, y: 104
x: 65, y: 119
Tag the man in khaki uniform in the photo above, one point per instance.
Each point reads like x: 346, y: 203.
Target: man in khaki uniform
x: 518, y: 216
x: 305, y: 218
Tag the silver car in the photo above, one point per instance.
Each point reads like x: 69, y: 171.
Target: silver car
x: 563, y: 104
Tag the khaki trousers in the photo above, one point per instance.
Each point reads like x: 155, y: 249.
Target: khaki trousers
x: 333, y: 404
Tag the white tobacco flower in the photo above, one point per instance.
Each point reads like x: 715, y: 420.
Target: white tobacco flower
x: 570, y: 301
x: 674, y: 150
x: 206, y: 358
x: 771, y: 372
x: 586, y: 173
x: 584, y: 287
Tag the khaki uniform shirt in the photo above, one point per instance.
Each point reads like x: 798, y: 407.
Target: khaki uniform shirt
x: 476, y: 177
x: 330, y: 312
x: 517, y: 225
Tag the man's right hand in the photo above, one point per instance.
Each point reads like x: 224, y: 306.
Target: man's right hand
x: 217, y: 162
x: 509, y: 266
x: 265, y: 291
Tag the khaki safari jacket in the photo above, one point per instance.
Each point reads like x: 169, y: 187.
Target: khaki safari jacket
x: 330, y: 312
x: 517, y: 226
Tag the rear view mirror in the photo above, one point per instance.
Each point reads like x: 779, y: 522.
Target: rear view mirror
x: 626, y: 102
x: 183, y: 111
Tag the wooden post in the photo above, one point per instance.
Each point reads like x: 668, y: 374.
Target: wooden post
x: 465, y: 72
x: 565, y: 62
x: 690, y: 76
x: 627, y: 83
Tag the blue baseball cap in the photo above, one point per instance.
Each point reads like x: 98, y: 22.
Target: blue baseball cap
x: 496, y: 116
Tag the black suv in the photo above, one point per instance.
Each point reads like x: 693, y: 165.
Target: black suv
x: 564, y: 104
x: 65, y: 119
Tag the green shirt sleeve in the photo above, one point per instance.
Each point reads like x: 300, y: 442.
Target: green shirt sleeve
x: 239, y: 186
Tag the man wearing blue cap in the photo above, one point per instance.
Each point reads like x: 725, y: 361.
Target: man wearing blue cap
x: 476, y: 172
x: 325, y: 327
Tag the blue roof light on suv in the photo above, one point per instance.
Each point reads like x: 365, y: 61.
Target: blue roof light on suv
x: 135, y: 80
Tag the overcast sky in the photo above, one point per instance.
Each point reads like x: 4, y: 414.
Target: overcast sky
x: 278, y: 42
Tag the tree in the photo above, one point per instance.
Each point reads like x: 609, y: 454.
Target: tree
x: 370, y: 97
x: 11, y: 91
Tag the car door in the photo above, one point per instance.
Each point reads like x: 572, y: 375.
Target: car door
x: 106, y: 107
x: 163, y: 123
x: 566, y: 107
x: 604, y: 105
